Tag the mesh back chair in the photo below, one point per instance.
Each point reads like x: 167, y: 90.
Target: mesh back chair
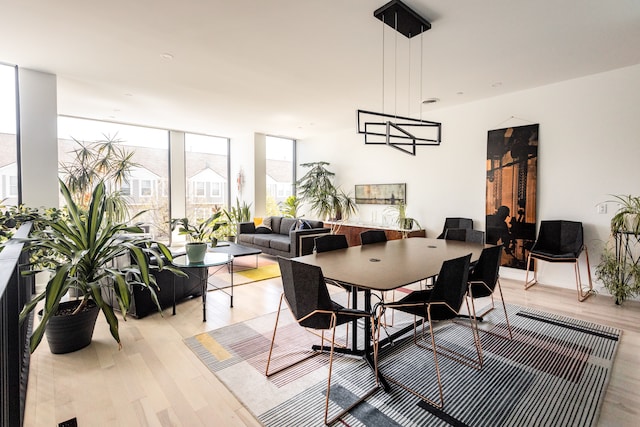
x: 372, y: 236
x: 442, y: 302
x: 464, y: 235
x: 306, y: 294
x: 560, y: 242
x: 455, y: 223
x: 330, y: 242
x: 483, y: 280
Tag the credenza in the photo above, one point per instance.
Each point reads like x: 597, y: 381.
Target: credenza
x: 352, y: 231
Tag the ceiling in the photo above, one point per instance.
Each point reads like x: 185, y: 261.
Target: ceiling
x: 296, y: 68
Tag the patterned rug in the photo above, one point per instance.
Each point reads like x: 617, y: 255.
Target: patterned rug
x: 554, y: 373
x: 245, y: 271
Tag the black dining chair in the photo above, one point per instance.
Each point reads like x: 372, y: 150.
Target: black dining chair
x: 330, y: 242
x: 464, y: 235
x: 483, y: 280
x: 455, y: 223
x: 372, y: 236
x: 305, y: 293
x: 333, y: 242
x: 442, y: 302
x: 560, y: 241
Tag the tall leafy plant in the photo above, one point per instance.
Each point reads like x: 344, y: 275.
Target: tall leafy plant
x: 327, y: 200
x: 83, y: 250
x: 99, y: 161
x: 241, y: 212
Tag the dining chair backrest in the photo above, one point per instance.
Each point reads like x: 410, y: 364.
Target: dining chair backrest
x: 559, y: 238
x: 305, y: 291
x: 373, y: 236
x: 450, y: 287
x: 464, y: 235
x: 486, y: 270
x: 330, y: 242
x: 455, y: 223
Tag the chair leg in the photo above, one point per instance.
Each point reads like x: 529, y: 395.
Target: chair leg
x: 273, y: 337
x: 476, y: 335
x: 273, y: 340
x: 339, y: 415
x: 504, y: 307
x: 527, y: 283
x: 440, y: 403
x: 583, y: 293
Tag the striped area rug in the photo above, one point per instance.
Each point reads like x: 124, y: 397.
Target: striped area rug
x: 553, y: 373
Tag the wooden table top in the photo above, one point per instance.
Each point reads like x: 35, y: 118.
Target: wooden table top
x: 392, y: 264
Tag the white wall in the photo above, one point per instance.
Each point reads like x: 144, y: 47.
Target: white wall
x: 589, y: 148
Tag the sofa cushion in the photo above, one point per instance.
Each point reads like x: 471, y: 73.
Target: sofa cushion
x: 288, y: 224
x: 280, y: 242
x: 262, y: 239
x: 275, y: 223
x: 245, y: 238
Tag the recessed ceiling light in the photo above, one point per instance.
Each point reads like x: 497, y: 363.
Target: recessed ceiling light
x: 496, y: 84
x: 431, y: 100
x: 166, y: 56
x: 460, y: 93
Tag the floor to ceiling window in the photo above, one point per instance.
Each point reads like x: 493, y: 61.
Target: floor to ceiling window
x: 145, y: 153
x: 207, y: 175
x: 8, y: 143
x: 280, y: 156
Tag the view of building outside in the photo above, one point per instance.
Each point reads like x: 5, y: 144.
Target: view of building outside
x: 147, y: 186
x: 8, y: 143
x: 280, y: 172
x: 207, y: 175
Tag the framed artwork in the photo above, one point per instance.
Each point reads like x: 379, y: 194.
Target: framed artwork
x: 381, y: 194
x: 512, y: 177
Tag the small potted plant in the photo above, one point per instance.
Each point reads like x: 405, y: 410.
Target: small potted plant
x: 241, y: 212
x: 619, y: 267
x: 404, y: 223
x: 200, y: 234
x: 627, y: 217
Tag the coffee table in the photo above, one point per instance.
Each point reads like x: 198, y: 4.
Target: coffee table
x: 210, y: 260
x: 236, y: 250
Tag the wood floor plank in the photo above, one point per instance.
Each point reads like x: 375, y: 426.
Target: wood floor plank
x: 155, y: 380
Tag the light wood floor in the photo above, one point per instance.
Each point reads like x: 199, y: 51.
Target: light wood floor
x: 155, y: 380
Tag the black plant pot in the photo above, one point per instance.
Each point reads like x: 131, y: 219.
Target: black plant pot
x: 66, y: 333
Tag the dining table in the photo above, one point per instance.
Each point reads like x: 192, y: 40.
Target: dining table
x: 384, y: 267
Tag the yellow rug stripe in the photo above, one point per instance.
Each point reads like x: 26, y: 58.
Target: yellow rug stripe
x: 261, y: 273
x: 213, y: 347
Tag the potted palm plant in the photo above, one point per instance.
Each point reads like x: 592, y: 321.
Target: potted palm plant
x: 83, y: 249
x: 316, y: 187
x: 200, y: 234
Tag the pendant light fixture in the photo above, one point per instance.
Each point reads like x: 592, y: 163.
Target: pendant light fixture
x: 384, y: 128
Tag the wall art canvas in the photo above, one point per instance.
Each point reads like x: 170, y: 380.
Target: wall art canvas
x: 381, y: 194
x: 512, y: 165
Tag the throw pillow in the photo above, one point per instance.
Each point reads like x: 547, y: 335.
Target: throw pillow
x: 267, y: 222
x: 304, y: 225
x: 261, y: 229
